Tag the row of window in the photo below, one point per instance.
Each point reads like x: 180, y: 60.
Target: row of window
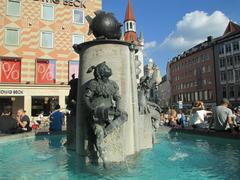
x: 45, y: 71
x: 190, y: 62
x: 231, y: 91
x: 229, y: 61
x: 229, y: 47
x: 12, y: 38
x: 193, y: 72
x: 193, y: 84
x: 195, y: 96
x: 13, y: 8
x: 230, y: 75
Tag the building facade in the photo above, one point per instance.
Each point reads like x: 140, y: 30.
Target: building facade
x: 164, y: 90
x: 152, y: 71
x: 227, y: 63
x: 130, y: 35
x: 192, y: 75
x: 36, y: 54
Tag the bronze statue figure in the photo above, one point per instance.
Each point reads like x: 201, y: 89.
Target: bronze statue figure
x: 102, y: 98
x: 146, y: 106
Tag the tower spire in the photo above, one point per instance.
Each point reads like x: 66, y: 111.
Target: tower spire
x: 130, y: 24
x: 129, y: 16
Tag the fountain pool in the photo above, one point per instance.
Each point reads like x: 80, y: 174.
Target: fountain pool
x: 175, y: 156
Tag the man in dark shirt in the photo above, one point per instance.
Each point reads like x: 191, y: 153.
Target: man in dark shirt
x: 23, y: 121
x: 8, y: 125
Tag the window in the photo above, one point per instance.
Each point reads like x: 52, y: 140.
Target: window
x: 229, y: 61
x: 238, y: 91
x: 78, y: 16
x: 12, y: 36
x: 192, y: 96
x: 46, y: 104
x: 221, y: 49
x: 210, y: 94
x: 77, y: 39
x: 195, y: 72
x: 231, y: 91
x: 237, y: 74
x: 203, y: 69
x: 10, y: 70
x: 206, y: 57
x: 209, y: 68
x: 205, y: 95
x: 222, y: 62
x: 200, y: 95
x: 196, y: 96
x: 228, y: 48
x: 13, y: 7
x: 235, y: 46
x: 73, y: 69
x: 47, y: 39
x: 224, y: 92
x: 230, y: 75
x: 45, y: 71
x: 223, y: 76
x: 237, y: 60
x: 48, y: 12
x: 204, y: 82
x: 209, y: 81
x: 131, y: 25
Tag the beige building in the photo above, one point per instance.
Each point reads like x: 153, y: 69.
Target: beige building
x: 36, y: 54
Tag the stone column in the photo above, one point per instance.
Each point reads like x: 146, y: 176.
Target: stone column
x: 28, y: 104
x: 118, y: 57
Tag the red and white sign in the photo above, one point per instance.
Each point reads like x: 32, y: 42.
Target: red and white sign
x: 10, y: 70
x: 73, y: 69
x: 46, y: 71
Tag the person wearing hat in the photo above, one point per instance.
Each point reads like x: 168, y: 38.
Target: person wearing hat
x: 222, y: 117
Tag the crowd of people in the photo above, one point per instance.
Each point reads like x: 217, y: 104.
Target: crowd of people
x: 22, y: 123
x: 219, y: 118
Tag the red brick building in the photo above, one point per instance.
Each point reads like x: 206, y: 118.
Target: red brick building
x: 192, y: 75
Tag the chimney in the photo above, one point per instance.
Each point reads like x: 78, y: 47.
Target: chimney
x: 209, y: 38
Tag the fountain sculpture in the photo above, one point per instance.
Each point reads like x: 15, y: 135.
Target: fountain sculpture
x: 106, y: 125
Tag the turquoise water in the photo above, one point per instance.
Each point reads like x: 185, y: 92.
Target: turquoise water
x: 174, y: 157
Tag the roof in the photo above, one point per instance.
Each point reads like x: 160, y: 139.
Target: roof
x: 232, y: 31
x: 231, y: 27
x: 129, y: 12
x: 130, y: 37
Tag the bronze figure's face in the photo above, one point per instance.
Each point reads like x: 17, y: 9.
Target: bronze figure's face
x: 102, y: 71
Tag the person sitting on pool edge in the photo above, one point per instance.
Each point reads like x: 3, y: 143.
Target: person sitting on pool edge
x: 222, y: 117
x: 23, y: 121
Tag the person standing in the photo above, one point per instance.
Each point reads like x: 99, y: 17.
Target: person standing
x: 23, y: 121
x: 222, y: 117
x: 56, y: 120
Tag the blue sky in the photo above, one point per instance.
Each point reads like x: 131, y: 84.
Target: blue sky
x: 172, y: 26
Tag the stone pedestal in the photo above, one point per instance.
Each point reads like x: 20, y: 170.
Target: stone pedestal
x: 117, y: 55
x: 71, y: 132
x: 145, y: 131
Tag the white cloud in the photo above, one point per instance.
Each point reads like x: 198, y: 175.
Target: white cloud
x: 194, y: 28
x: 150, y: 45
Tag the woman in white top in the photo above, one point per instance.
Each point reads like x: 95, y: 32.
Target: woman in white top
x: 198, y: 115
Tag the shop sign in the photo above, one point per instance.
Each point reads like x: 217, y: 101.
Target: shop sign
x: 10, y: 70
x: 11, y: 92
x: 75, y: 3
x: 46, y: 71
